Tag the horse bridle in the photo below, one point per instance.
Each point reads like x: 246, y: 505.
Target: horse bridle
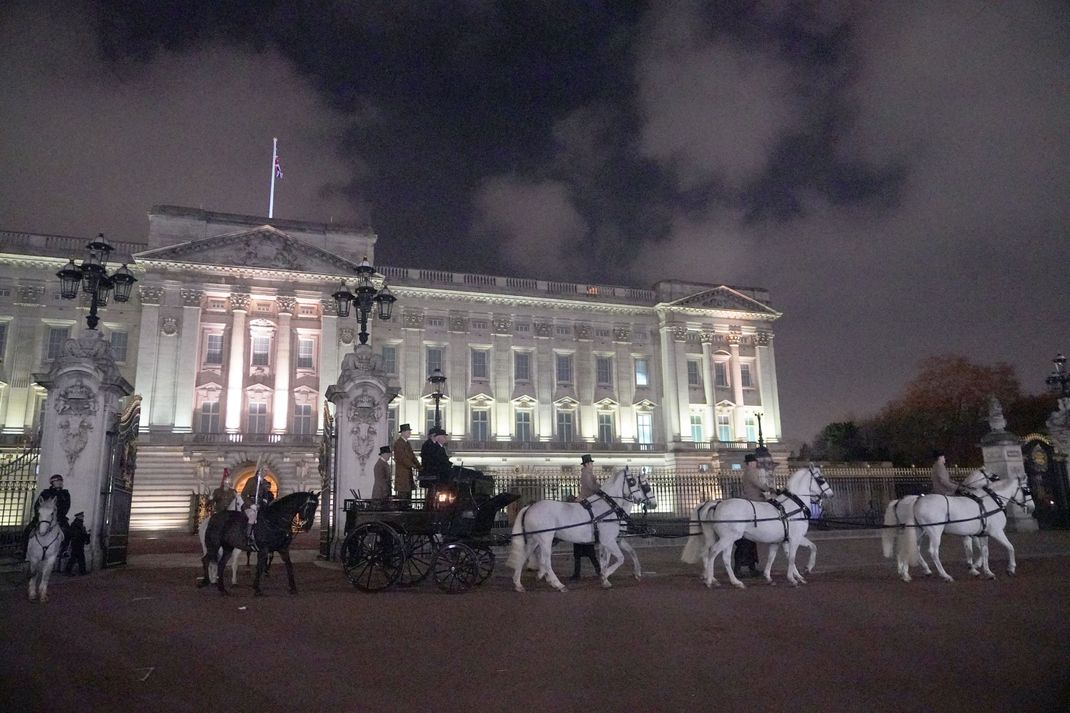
x: 51, y: 526
x: 821, y: 482
x: 632, y: 481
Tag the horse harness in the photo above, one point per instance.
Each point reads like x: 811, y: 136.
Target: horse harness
x: 52, y: 526
x: 1000, y: 501
x: 614, y: 508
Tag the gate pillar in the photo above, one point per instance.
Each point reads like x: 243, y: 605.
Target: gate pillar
x: 360, y: 399
x: 1003, y: 455
x: 85, y: 389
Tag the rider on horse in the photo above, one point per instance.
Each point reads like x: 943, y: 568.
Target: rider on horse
x: 256, y: 493
x: 55, y: 490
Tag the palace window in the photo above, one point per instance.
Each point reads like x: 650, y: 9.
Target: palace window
x: 751, y: 424
x: 642, y: 377
x: 564, y: 368
x: 57, y: 337
x: 392, y: 422
x: 390, y: 359
x: 304, y: 421
x: 261, y: 351
x: 603, y: 368
x: 434, y: 359
x: 524, y: 433
x: 257, y: 421
x: 694, y: 374
x: 696, y: 428
x: 213, y: 349
x: 306, y: 353
x: 606, y: 431
x: 565, y: 430
x: 3, y: 339
x: 644, y: 423
x: 480, y: 425
x: 522, y: 366
x: 745, y: 377
x: 429, y: 418
x: 724, y: 427
x: 720, y: 374
x: 480, y: 367
x: 209, y: 416
x: 118, y: 346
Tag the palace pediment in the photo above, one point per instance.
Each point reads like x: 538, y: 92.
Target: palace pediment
x: 724, y: 298
x: 265, y: 248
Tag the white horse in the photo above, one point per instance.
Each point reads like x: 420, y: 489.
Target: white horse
x: 213, y: 570
x: 43, y: 549
x: 760, y: 522
x: 963, y: 516
x: 696, y: 543
x: 538, y: 524
x: 899, y: 517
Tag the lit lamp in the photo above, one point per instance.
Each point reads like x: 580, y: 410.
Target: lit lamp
x: 92, y: 276
x: 437, y: 380
x: 366, y: 297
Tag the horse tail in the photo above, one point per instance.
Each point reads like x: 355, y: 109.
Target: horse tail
x: 516, y: 547
x: 696, y: 543
x: 888, y: 534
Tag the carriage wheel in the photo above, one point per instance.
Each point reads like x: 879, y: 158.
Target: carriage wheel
x: 373, y: 556
x: 486, y: 562
x: 419, y: 554
x: 456, y: 568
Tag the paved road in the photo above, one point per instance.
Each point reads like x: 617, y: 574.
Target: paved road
x: 855, y: 638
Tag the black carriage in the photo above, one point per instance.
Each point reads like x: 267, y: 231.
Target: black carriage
x: 447, y: 535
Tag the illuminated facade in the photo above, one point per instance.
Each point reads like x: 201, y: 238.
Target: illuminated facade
x: 233, y: 337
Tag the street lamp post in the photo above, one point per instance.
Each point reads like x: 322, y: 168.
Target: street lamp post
x: 1059, y: 380
x: 92, y: 276
x: 365, y: 296
x: 437, y: 381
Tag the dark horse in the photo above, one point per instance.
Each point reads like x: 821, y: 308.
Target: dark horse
x: 273, y: 532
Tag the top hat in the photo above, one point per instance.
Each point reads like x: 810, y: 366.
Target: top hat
x: 384, y: 449
x: 79, y: 514
x: 762, y: 452
x: 404, y: 427
x: 57, y: 476
x: 586, y: 459
x: 937, y: 454
x: 750, y: 458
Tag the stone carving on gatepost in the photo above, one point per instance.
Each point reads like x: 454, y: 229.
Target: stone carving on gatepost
x: 360, y: 397
x: 1058, y: 425
x: 1003, y: 456
x: 85, y: 391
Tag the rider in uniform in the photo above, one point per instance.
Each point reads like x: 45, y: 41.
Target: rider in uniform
x: 255, y: 499
x: 223, y: 496
x: 63, y: 506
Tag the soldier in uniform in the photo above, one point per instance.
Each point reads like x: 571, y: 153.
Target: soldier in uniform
x: 381, y: 471
x: 223, y: 496
x: 63, y: 506
x: 588, y: 486
x: 256, y: 495
x: 79, y: 538
x: 405, y: 463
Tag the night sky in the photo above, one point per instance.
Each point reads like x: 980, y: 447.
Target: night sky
x: 896, y: 173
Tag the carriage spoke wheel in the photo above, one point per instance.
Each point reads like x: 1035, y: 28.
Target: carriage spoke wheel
x: 456, y: 568
x: 419, y: 554
x: 485, y: 558
x: 373, y: 556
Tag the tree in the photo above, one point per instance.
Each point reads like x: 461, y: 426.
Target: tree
x: 840, y: 442
x: 945, y: 408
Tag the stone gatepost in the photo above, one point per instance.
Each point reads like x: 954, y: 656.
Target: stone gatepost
x: 85, y: 390
x: 1003, y: 455
x: 360, y: 398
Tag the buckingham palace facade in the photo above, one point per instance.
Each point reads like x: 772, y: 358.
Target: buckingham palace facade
x: 232, y: 338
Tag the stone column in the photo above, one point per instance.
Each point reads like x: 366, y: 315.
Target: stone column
x: 280, y: 410
x: 670, y: 398
x: 360, y: 399
x: 189, y: 360
x: 85, y: 389
x: 239, y: 304
x: 328, y: 355
x: 682, y: 429
x: 148, y: 349
x: 766, y: 368
x: 1003, y: 456
x: 708, y: 386
x: 739, y: 413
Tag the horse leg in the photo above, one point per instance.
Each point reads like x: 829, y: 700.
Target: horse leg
x: 726, y: 548
x: 709, y: 539
x: 261, y: 565
x: 234, y: 571
x: 794, y: 576
x: 32, y: 581
x: 637, y: 571
x: 47, y: 566
x: 768, y: 571
x: 285, y: 554
x: 526, y: 548
x: 616, y: 559
x: 813, y: 554
x: 544, y: 566
x: 205, y: 580
x: 971, y: 564
x: 934, y: 534
x: 221, y: 565
x: 1000, y: 536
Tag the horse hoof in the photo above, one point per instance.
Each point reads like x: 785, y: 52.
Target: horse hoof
x: 606, y: 584
x: 770, y: 582
x: 519, y: 588
x: 638, y: 577
x: 562, y: 588
x: 739, y: 585
x: 949, y: 579
x: 990, y: 576
x: 1010, y: 572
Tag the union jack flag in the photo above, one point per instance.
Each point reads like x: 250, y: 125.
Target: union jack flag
x: 278, y: 168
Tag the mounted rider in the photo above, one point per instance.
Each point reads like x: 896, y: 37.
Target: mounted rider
x: 55, y: 490
x: 223, y: 497
x: 757, y: 487
x: 256, y: 494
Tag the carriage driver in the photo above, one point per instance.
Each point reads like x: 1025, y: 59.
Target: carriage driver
x: 757, y: 486
x: 381, y: 471
x: 63, y: 506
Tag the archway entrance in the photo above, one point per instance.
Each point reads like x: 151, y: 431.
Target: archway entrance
x: 247, y: 473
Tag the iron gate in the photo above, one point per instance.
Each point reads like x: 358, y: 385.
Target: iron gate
x: 327, y: 483
x: 18, y: 481
x: 1046, y: 470
x: 119, y: 485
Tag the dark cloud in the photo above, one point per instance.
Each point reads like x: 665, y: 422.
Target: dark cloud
x: 895, y: 173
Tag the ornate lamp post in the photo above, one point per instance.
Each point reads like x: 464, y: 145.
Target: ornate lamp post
x: 437, y: 380
x: 92, y: 275
x: 365, y: 297
x: 1059, y: 380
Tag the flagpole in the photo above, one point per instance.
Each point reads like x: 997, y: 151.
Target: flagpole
x: 274, y: 162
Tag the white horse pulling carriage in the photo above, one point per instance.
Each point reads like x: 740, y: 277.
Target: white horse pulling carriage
x: 723, y: 522
x: 596, y: 518
x: 964, y: 516
x: 43, y: 548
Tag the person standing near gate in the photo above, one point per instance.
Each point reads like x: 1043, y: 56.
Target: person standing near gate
x: 381, y: 471
x: 588, y: 487
x: 405, y: 464
x: 78, y: 539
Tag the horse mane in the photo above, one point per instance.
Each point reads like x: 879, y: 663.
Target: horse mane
x: 281, y: 511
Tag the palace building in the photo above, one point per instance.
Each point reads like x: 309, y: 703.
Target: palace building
x: 233, y: 336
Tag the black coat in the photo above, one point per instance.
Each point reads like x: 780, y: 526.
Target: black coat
x: 63, y: 504
x: 436, y: 463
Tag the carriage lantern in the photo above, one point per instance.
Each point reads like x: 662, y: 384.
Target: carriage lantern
x: 1059, y: 380
x: 366, y: 297
x: 92, y: 276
